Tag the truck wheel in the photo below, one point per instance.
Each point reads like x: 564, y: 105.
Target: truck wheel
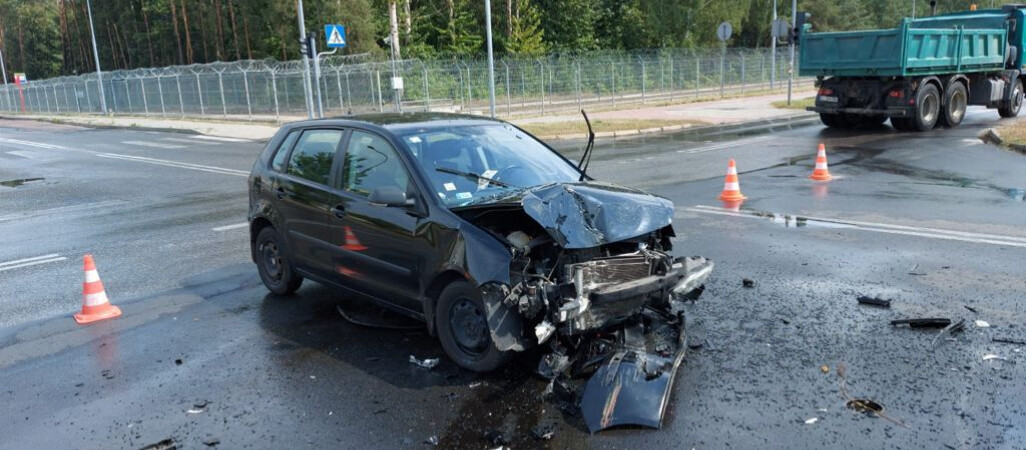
x: 927, y: 108
x: 956, y: 99
x: 462, y: 326
x: 1016, y: 104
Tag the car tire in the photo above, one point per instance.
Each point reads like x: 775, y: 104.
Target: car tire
x: 273, y: 263
x: 956, y: 100
x: 1018, y: 98
x: 928, y: 109
x: 462, y: 324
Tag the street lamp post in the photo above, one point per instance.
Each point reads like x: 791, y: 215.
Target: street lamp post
x: 96, y: 57
x: 491, y: 59
x: 307, y: 89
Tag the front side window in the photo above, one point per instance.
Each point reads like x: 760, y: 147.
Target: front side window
x: 372, y: 163
x: 313, y: 155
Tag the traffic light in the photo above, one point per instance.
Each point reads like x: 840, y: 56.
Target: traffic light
x: 306, y: 46
x: 802, y: 18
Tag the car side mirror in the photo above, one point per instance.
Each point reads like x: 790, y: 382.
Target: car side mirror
x: 389, y: 196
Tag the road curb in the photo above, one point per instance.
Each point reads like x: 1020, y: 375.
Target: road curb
x: 797, y: 120
x: 100, y: 126
x: 991, y: 136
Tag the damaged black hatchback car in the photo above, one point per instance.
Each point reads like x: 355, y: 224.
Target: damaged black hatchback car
x: 495, y: 240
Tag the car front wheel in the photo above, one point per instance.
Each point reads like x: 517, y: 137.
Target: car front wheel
x: 462, y: 326
x: 274, y: 265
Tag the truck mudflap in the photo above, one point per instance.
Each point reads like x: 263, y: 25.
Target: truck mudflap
x: 630, y: 367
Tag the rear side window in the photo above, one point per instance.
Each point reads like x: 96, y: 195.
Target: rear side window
x: 283, y: 150
x: 314, y: 152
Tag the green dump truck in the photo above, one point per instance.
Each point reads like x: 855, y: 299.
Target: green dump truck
x: 923, y: 73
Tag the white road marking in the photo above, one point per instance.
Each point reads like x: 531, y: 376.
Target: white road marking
x: 232, y: 227
x: 933, y: 233
x: 726, y: 145
x: 189, y: 141
x: 219, y: 138
x: 153, y: 144
x: 61, y: 210
x: 17, y: 264
x: 177, y: 164
x: 33, y: 144
x: 34, y: 155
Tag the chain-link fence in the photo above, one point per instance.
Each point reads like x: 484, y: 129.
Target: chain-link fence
x: 272, y: 90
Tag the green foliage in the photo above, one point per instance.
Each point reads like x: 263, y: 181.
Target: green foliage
x: 528, y: 36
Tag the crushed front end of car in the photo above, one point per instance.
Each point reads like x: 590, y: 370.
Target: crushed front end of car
x: 592, y: 280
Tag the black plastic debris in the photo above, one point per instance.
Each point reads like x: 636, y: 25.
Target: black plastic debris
x: 748, y: 282
x: 1003, y: 340
x: 865, y: 406
x: 374, y: 317
x: 544, y: 432
x: 939, y: 322
x: 178, y: 362
x: 426, y: 363
x: 201, y: 403
x: 970, y: 308
x: 211, y: 442
x: 498, y: 437
x: 166, y: 444
x: 874, y: 301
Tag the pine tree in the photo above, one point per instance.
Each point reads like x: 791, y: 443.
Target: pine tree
x: 526, y: 37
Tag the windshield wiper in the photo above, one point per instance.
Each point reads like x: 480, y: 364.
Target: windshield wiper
x: 472, y: 175
x: 586, y: 157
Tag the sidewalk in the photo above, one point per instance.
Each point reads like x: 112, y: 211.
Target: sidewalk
x: 633, y: 119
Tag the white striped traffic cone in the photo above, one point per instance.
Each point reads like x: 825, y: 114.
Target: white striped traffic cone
x: 822, y: 173
x: 95, y: 305
x: 731, y: 186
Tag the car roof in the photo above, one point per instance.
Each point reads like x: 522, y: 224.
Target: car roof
x: 402, y: 121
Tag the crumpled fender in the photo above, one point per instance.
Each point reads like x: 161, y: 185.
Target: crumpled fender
x: 505, y: 323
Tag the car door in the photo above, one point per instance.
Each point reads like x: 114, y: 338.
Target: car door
x: 304, y: 198
x: 380, y: 250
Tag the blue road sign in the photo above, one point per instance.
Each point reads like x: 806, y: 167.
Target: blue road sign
x: 335, y: 35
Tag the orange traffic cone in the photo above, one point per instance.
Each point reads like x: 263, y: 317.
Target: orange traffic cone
x: 822, y: 173
x: 731, y: 187
x: 95, y: 306
x: 352, y: 243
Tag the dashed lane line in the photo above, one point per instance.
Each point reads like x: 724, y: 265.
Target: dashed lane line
x: 724, y: 145
x: 232, y: 227
x: 153, y: 144
x: 176, y: 164
x: 932, y: 233
x: 63, y: 210
x: 33, y: 144
x: 34, y: 261
x: 220, y: 138
x: 190, y: 141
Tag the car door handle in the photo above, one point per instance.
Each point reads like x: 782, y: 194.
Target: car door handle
x: 339, y: 211
x: 280, y: 192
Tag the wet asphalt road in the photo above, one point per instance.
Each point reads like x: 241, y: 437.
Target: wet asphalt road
x: 932, y: 220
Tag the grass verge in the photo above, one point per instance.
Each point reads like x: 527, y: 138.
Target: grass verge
x: 563, y: 128
x: 1014, y: 133
x: 795, y: 103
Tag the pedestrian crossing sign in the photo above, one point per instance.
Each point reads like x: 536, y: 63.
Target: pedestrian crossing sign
x: 335, y: 35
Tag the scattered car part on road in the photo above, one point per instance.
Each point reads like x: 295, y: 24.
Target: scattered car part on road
x: 427, y: 363
x: 971, y: 309
x: 166, y: 444
x: 748, y: 282
x: 874, y: 301
x: 395, y: 322
x: 991, y: 356
x: 812, y: 421
x: 981, y: 324
x: 865, y: 406
x: 1009, y: 341
x: 938, y: 322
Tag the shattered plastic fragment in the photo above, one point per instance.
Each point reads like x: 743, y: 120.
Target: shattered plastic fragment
x: 991, y: 356
x: 433, y: 440
x: 812, y: 421
x: 982, y: 324
x: 427, y: 363
x: 874, y: 301
x: 747, y: 282
x: 824, y: 368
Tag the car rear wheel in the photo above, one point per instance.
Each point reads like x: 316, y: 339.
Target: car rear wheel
x: 927, y: 108
x: 956, y: 99
x: 1018, y: 98
x: 462, y: 326
x: 274, y: 265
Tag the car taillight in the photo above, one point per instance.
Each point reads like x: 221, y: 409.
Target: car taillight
x: 897, y: 93
x: 825, y: 91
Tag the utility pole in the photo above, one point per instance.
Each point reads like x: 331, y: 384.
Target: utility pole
x: 96, y: 57
x: 491, y: 59
x: 306, y: 63
x: 790, y: 74
x: 393, y: 30
x: 3, y: 69
x: 773, y: 47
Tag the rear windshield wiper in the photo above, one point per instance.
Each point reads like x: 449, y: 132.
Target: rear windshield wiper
x: 471, y: 175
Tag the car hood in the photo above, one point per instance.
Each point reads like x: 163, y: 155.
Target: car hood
x: 588, y: 214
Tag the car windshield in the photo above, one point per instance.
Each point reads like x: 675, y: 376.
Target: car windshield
x: 466, y: 164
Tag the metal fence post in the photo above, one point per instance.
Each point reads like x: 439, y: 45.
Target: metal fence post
x: 338, y: 84
x: 541, y: 71
x: 274, y: 94
x: 509, y: 100
x: 89, y: 100
x: 128, y: 96
x: 199, y: 94
x: 742, y: 74
x: 220, y: 84
x: 381, y: 103
x: 427, y: 89
x: 160, y: 92
x: 146, y: 105
x: 643, y: 79
x: 671, y: 76
x: 698, y: 75
x: 181, y: 103
x: 577, y: 82
x: 245, y: 84
x: 349, y: 93
x: 612, y: 81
